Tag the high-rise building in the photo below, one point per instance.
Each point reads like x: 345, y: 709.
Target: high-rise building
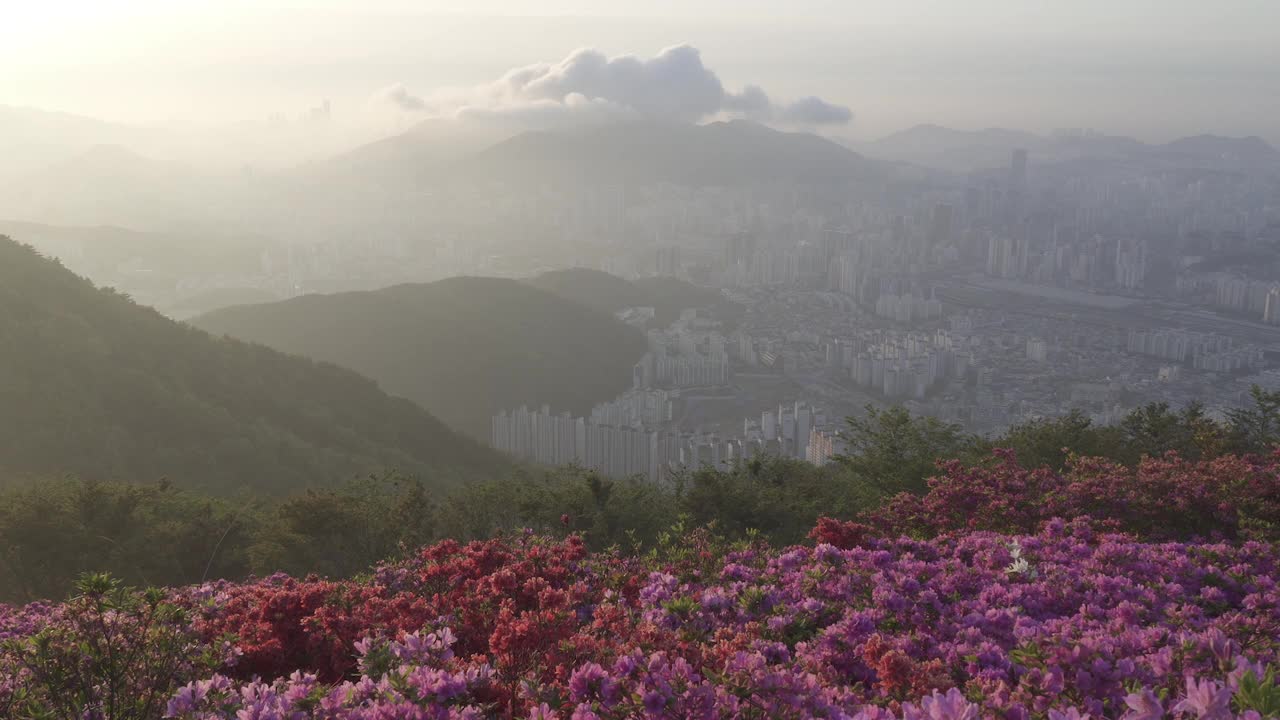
x: 1271, y: 310
x: 611, y: 450
x: 940, y: 228
x: 1131, y: 263
x: 1017, y: 190
x: 769, y: 425
x: 667, y: 261
x: 804, y: 423
x: 824, y: 445
x: 1037, y: 350
x: 739, y: 247
x: 1018, y: 171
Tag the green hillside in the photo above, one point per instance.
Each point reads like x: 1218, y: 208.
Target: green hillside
x: 94, y: 385
x: 463, y: 348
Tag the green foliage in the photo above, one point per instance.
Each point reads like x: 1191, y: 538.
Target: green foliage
x: 160, y: 534
x: 338, y: 532
x: 1049, y: 442
x: 779, y: 497
x: 895, y: 452
x: 145, y: 534
x: 1259, y: 694
x: 1256, y: 428
x: 1154, y: 430
x: 96, y: 386
x: 111, y: 653
x: 607, y: 512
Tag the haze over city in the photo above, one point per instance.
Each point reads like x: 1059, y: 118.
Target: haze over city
x: 607, y: 360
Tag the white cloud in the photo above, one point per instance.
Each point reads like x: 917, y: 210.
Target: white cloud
x: 399, y: 97
x: 815, y: 111
x: 589, y: 86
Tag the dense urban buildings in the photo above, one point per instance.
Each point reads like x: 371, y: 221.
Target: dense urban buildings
x: 1010, y: 295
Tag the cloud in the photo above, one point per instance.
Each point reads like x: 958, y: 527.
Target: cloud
x: 575, y: 109
x: 589, y: 86
x: 399, y: 97
x: 815, y: 111
x: 752, y: 103
x: 674, y: 85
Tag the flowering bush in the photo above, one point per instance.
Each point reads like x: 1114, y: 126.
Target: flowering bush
x: 1067, y: 622
x: 968, y: 613
x: 1161, y: 498
x: 107, y: 653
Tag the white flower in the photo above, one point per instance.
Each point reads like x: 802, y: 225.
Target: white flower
x: 1020, y: 565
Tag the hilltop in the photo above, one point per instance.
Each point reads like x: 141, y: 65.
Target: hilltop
x: 464, y: 348
x: 719, y: 153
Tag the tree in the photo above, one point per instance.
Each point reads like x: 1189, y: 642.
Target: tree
x: 894, y: 451
x: 1256, y: 429
x: 1049, y: 442
x: 1154, y: 430
x: 340, y: 531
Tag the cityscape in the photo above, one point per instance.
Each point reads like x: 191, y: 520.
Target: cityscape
x: 986, y: 299
x: 1016, y: 296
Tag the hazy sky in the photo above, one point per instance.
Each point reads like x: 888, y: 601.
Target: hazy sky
x: 1145, y: 67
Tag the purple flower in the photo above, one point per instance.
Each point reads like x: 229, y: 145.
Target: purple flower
x: 952, y: 706
x: 654, y: 701
x: 187, y: 699
x: 543, y: 712
x: 1144, y: 706
x: 1206, y: 699
x: 592, y: 682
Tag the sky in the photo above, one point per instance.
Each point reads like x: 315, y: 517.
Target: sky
x: 1155, y: 70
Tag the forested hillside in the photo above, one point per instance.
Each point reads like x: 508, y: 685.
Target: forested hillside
x: 94, y: 385
x: 463, y: 348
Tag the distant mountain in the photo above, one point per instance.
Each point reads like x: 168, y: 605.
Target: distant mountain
x: 721, y: 153
x: 114, y: 184
x: 463, y: 348
x: 419, y: 154
x: 609, y: 293
x: 957, y: 150
x: 938, y: 138
x: 32, y: 139
x: 207, y: 301
x: 111, y: 184
x: 148, y: 266
x: 94, y: 385
x: 1220, y: 152
x: 970, y: 150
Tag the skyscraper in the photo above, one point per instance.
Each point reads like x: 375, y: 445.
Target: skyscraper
x: 940, y: 228
x: 1018, y: 172
x: 1017, y: 183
